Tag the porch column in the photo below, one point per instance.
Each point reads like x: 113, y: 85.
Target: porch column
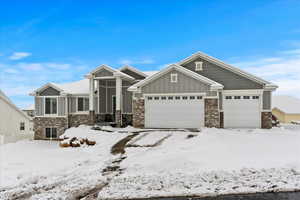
x: 118, y: 115
x: 91, y: 102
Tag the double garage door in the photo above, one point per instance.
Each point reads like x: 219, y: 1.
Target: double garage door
x: 242, y: 111
x: 174, y: 111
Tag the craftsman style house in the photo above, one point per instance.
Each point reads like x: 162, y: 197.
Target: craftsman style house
x: 199, y: 91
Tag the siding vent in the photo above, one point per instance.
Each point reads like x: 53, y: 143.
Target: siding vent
x: 198, y: 66
x: 174, y: 78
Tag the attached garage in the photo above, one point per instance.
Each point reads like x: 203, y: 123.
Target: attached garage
x: 242, y: 110
x: 174, y: 111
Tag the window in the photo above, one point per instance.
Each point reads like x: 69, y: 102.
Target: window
x: 22, y: 126
x: 228, y: 97
x: 192, y: 97
x: 199, y: 97
x: 170, y: 98
x: 163, y: 98
x: 246, y: 97
x: 82, y: 104
x: 174, y: 78
x: 156, y: 98
x: 237, y: 97
x: 149, y: 98
x: 184, y: 97
x: 50, y: 106
x: 198, y: 66
x: 177, y: 97
x: 51, y: 133
x: 255, y: 97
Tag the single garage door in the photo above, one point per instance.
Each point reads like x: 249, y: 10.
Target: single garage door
x: 174, y: 111
x: 242, y: 111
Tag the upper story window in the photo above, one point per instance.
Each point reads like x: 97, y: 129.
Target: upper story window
x: 82, y: 104
x: 50, y: 106
x: 174, y: 78
x: 22, y: 126
x: 198, y: 66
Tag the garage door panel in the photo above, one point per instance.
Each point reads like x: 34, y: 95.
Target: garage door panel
x: 241, y: 113
x: 174, y: 113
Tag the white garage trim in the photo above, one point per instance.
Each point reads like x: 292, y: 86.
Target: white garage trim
x: 182, y: 110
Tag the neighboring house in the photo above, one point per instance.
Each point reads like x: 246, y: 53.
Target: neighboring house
x: 14, y: 124
x: 29, y: 110
x: 199, y: 91
x: 286, y: 108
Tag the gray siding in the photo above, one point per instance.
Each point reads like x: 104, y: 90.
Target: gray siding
x: 103, y: 72
x: 230, y: 80
x: 220, y: 100
x: 267, y: 95
x: 72, y: 104
x: 49, y: 92
x: 110, y: 92
x: 133, y: 74
x: 185, y: 84
x: 102, y: 99
x: 127, y: 100
x: 61, y: 104
x: 96, y: 102
x: 39, y: 106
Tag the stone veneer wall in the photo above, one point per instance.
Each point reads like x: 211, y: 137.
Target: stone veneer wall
x: 266, y: 120
x: 212, y: 115
x: 138, y: 117
x: 40, y: 123
x: 79, y: 119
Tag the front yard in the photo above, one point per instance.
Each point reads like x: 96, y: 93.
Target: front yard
x: 155, y: 163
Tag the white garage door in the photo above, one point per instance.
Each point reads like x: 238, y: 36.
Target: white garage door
x: 174, y: 111
x: 242, y: 111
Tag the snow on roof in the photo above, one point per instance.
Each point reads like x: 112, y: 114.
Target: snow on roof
x: 30, y: 107
x: 77, y: 87
x: 287, y: 104
x: 150, y: 73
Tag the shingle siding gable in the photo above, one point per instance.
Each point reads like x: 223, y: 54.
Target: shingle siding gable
x: 230, y: 80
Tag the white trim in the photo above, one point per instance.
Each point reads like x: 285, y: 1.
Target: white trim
x: 223, y: 65
x: 108, y: 68
x: 212, y: 83
x: 241, y: 92
x: 53, y: 85
x: 175, y: 94
x: 84, y: 111
x: 133, y: 70
x: 198, y: 66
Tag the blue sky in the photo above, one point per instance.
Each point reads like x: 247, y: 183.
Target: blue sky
x: 60, y: 41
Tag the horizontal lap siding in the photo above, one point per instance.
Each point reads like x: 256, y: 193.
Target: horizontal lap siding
x: 127, y: 100
x: 103, y: 72
x: 230, y: 80
x: 39, y: 106
x: 185, y: 84
x: 49, y: 92
x: 61, y: 102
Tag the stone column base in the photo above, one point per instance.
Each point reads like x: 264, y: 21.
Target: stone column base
x: 118, y: 117
x: 212, y: 115
x: 138, y: 117
x: 266, y: 120
x: 92, y: 118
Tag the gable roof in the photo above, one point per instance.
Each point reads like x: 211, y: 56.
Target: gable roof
x: 286, y: 104
x: 10, y: 103
x: 213, y: 84
x: 133, y: 70
x: 108, y: 68
x: 231, y: 68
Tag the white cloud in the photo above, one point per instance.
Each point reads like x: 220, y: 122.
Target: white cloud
x: 283, y: 70
x: 132, y: 62
x: 19, y: 55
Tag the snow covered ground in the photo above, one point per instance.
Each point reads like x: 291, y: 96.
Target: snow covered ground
x: 216, y: 161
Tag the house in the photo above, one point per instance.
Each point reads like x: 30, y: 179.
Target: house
x: 14, y: 124
x: 199, y: 91
x: 29, y: 110
x: 286, y: 108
